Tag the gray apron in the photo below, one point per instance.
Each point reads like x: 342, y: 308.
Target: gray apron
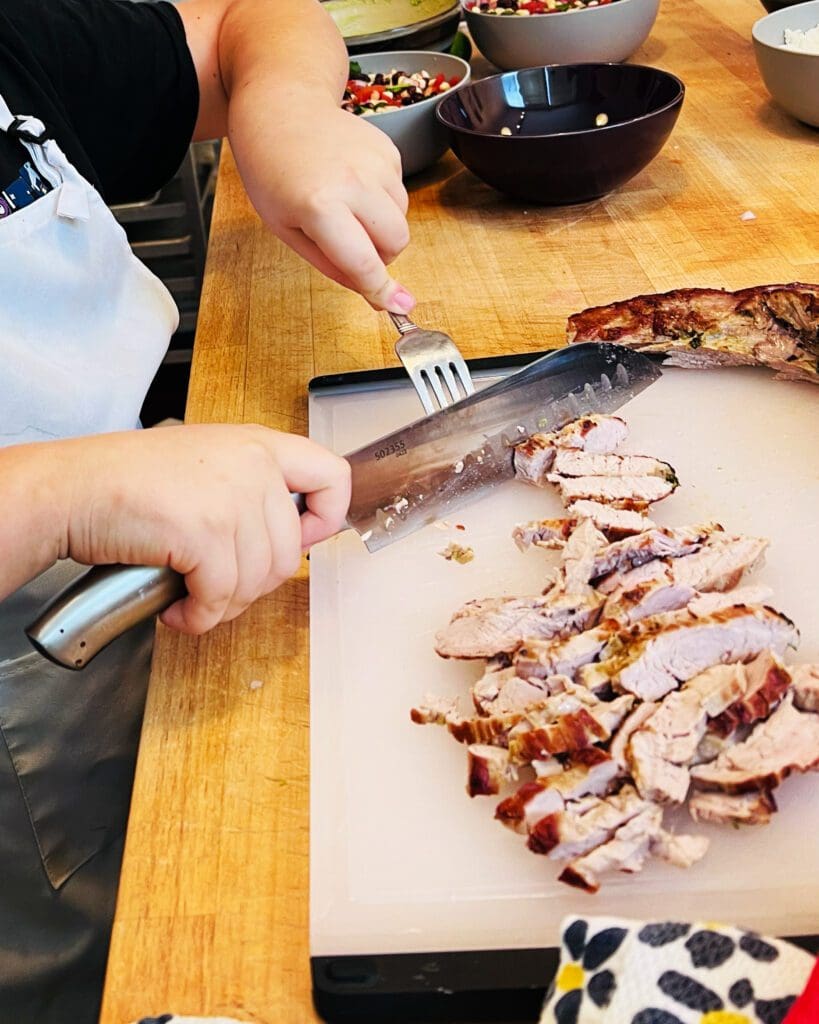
x: 83, y: 329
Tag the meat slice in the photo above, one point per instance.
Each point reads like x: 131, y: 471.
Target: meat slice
x: 588, y: 772
x: 545, y: 533
x: 488, y: 768
x: 679, y: 849
x: 579, y: 559
x: 613, y: 522
x: 501, y: 691
x: 765, y: 680
x: 618, y: 747
x: 538, y: 659
x: 585, y: 824
x: 660, y: 750
x: 568, y: 723
x: 715, y: 601
x: 786, y: 742
x: 652, y: 657
x: 753, y: 808
x: 533, y: 457
x: 771, y: 325
x: 805, y: 686
x: 718, y: 565
x: 574, y: 462
x: 629, y: 492
x: 495, y: 625
x: 627, y: 850
x: 662, y: 542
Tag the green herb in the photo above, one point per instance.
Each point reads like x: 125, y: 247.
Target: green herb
x: 355, y: 69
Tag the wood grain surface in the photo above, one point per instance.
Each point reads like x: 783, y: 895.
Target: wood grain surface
x: 212, y: 912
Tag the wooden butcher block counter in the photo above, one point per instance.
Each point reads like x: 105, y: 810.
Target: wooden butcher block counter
x: 213, y: 904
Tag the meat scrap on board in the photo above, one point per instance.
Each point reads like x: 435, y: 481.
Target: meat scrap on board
x: 643, y: 676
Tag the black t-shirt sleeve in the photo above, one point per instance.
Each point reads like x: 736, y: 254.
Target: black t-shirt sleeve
x: 113, y: 80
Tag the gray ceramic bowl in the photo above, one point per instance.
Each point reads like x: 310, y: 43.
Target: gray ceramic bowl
x: 420, y: 138
x: 593, y: 34
x: 791, y: 77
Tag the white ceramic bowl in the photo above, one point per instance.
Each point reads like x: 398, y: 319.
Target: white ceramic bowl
x: 791, y: 77
x: 608, y: 33
x: 420, y: 138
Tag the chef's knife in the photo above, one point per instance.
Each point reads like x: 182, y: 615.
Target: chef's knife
x: 399, y: 483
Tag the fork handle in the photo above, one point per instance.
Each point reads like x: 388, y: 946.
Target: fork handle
x: 403, y: 323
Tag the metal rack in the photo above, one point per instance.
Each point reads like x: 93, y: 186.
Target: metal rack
x: 169, y: 232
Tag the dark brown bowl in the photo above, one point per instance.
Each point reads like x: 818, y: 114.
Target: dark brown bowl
x: 558, y: 152
x: 777, y: 5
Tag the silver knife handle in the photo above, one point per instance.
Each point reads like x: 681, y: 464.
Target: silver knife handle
x: 98, y: 607
x: 102, y: 604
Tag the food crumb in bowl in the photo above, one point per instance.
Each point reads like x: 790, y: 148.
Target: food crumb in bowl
x: 748, y: 215
x: 601, y: 120
x: 804, y: 41
x: 457, y: 553
x: 506, y: 131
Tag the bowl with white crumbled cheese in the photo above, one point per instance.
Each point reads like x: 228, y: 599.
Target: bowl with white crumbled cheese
x: 515, y: 34
x: 786, y: 46
x: 398, y: 91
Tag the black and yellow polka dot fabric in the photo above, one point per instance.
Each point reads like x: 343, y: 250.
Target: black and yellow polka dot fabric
x: 614, y: 971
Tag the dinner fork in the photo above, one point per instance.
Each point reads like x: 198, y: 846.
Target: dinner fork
x: 434, y: 364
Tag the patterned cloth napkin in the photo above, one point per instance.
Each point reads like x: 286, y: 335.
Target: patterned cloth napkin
x: 614, y: 971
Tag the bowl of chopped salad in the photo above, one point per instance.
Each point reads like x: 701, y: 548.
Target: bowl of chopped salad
x: 515, y: 34
x: 398, y: 91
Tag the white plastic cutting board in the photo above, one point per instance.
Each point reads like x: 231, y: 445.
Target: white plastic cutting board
x: 402, y: 860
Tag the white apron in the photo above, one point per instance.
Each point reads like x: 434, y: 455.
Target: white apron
x: 83, y: 328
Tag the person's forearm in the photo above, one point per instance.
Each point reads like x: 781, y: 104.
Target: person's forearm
x: 277, y: 52
x: 33, y: 532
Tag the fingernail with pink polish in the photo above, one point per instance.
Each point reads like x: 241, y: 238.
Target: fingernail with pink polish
x: 402, y: 301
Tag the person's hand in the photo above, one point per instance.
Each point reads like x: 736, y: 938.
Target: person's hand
x: 329, y: 184
x: 210, y: 501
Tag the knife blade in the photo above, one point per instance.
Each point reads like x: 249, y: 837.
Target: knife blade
x: 400, y: 483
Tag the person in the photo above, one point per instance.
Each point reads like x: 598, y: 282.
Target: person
x: 99, y: 100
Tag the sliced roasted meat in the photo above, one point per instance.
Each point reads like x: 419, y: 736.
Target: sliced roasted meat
x: 615, y: 523
x: 533, y: 457
x: 584, y: 824
x: 754, y: 808
x: 681, y: 850
x: 772, y: 325
x: 500, y: 691
x: 659, y: 752
x: 618, y: 748
x: 764, y: 682
x: 805, y: 686
x: 718, y: 565
x: 655, y: 655
x: 538, y: 659
x: 487, y: 769
x: 574, y: 462
x: 588, y: 772
x: 662, y: 542
x: 786, y: 742
x: 495, y: 625
x: 545, y: 533
x: 715, y: 601
x: 629, y: 492
x: 627, y: 850
x: 579, y: 558
x: 541, y: 732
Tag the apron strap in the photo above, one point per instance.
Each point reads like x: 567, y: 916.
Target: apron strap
x: 49, y: 160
